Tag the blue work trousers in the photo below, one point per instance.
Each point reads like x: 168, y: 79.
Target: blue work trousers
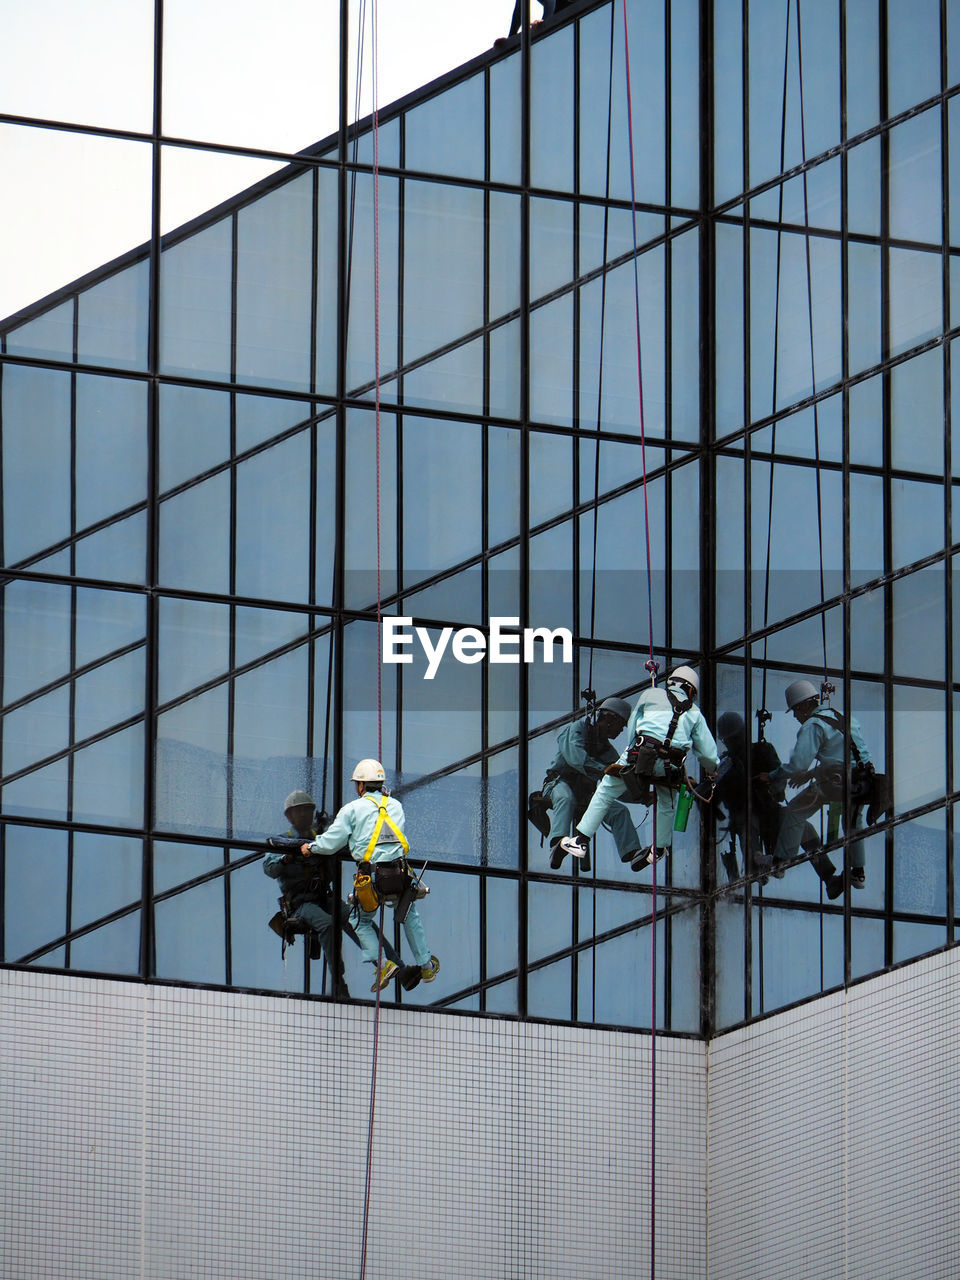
x: 563, y: 806
x: 795, y: 819
x: 412, y: 927
x: 610, y: 789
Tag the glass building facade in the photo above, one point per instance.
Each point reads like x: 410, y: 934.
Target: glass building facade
x: 398, y: 374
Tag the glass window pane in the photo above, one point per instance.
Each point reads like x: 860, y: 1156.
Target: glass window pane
x: 445, y: 133
x: 505, y: 116
x: 195, y: 301
x: 108, y: 780
x: 36, y: 460
x: 916, y: 204
x: 195, y: 537
x: 274, y: 290
x: 917, y: 428
x: 551, y: 111
x: 194, y: 433
x: 34, y: 890
x: 111, y: 423
x: 442, y: 494
x: 362, y: 269
x: 916, y: 298
x: 443, y: 265
x: 863, y: 65
x: 913, y: 51
x: 212, y: 56
x: 273, y: 536
x: 106, y: 876
x: 82, y: 201
x: 189, y: 933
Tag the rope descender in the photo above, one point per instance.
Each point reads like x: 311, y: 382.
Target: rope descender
x: 653, y: 667
x: 826, y: 689
x: 763, y: 716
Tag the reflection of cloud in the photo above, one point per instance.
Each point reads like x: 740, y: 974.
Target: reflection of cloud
x: 83, y: 201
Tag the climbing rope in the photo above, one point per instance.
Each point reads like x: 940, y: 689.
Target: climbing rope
x: 776, y: 344
x: 368, y: 1175
x: 651, y: 664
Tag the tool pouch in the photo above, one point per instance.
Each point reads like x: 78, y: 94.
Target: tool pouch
x: 537, y: 806
x: 392, y: 879
x: 365, y: 895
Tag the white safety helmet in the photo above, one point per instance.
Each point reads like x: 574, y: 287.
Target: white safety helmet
x: 687, y: 676
x: 368, y: 771
x: 616, y: 707
x: 798, y: 692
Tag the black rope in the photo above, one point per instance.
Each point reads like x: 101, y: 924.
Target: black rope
x: 776, y: 363
x: 603, y: 314
x: 813, y: 369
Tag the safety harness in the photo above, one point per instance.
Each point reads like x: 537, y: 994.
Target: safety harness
x: 866, y: 786
x: 638, y: 773
x: 393, y: 879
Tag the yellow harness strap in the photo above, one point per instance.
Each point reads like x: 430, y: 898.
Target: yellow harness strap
x: 384, y: 817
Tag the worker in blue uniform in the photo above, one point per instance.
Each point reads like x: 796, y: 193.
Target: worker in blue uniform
x: 583, y: 751
x: 828, y: 745
x: 372, y: 828
x: 664, y: 725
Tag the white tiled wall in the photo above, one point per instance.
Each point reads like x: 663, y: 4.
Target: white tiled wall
x: 833, y: 1134
x: 165, y: 1133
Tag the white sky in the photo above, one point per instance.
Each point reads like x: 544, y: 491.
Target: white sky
x: 236, y: 72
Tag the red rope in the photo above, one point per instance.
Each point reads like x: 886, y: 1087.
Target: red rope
x: 376, y: 347
x: 368, y: 1178
x: 636, y: 290
x: 376, y: 374
x: 651, y: 666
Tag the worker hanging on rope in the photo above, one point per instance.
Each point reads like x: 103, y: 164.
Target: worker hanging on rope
x: 755, y: 812
x: 583, y: 750
x: 372, y: 828
x: 665, y: 723
x: 830, y: 760
x: 308, y: 887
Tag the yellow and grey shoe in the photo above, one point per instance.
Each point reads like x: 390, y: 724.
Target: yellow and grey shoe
x: 386, y: 971
x: 429, y: 971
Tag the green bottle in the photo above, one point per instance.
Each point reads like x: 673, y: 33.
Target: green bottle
x: 684, y: 805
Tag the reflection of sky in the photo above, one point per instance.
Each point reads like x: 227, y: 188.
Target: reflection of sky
x: 230, y: 78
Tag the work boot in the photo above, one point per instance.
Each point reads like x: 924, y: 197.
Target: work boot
x: 822, y: 865
x: 429, y: 971
x: 835, y: 886
x: 409, y: 976
x: 577, y: 845
x: 729, y: 861
x: 629, y: 855
x: 557, y: 853
x: 386, y: 971
x: 858, y: 878
x: 294, y: 924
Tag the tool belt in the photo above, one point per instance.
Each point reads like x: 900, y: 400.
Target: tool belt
x: 864, y: 786
x: 638, y: 774
x: 391, y: 880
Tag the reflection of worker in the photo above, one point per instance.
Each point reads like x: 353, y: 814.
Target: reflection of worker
x: 820, y: 757
x: 308, y: 889
x: 583, y: 749
x: 372, y: 828
x: 766, y: 811
x: 666, y: 722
